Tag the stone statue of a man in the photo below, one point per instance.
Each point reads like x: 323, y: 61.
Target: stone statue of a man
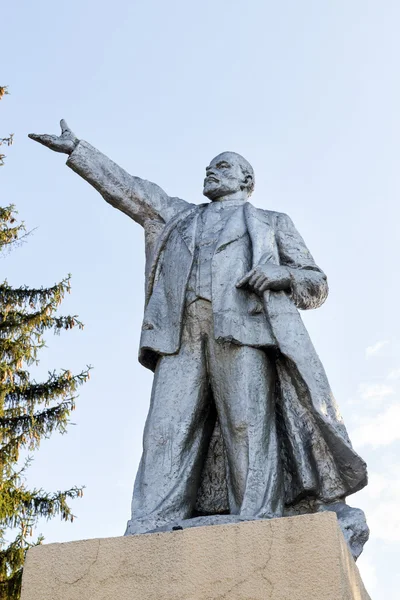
x: 242, y: 420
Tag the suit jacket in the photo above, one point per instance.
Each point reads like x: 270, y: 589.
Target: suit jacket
x: 250, y: 237
x: 318, y: 458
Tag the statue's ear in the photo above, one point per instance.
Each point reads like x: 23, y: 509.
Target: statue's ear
x: 247, y: 183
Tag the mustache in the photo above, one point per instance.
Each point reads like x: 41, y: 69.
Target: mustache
x: 211, y: 178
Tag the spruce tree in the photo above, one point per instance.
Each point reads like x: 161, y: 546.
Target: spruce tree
x: 5, y: 141
x: 29, y: 410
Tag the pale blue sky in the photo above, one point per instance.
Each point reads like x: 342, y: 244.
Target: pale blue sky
x: 309, y: 93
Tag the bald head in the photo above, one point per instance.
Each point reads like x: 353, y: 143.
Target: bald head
x: 229, y: 174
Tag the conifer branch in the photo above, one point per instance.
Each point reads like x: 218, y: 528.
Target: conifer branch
x: 30, y: 394
x: 30, y: 411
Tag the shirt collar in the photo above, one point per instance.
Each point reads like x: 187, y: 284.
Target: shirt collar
x: 218, y: 204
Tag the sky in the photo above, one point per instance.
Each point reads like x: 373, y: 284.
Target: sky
x: 309, y: 93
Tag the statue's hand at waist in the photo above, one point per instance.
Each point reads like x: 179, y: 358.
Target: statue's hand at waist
x: 266, y: 277
x: 65, y: 143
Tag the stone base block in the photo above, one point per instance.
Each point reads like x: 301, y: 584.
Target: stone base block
x: 293, y: 558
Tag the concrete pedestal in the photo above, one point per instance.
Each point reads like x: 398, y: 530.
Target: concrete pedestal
x: 293, y: 558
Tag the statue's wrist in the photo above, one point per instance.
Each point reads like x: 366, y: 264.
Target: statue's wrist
x: 75, y: 142
x: 291, y: 280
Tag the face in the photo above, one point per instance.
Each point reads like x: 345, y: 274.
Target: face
x: 224, y: 176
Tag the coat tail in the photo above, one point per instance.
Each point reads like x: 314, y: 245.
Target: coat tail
x: 318, y: 456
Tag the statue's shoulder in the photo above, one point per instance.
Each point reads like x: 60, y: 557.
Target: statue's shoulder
x: 272, y: 217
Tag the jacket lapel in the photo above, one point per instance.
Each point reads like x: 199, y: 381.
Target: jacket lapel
x: 188, y: 229
x: 262, y: 235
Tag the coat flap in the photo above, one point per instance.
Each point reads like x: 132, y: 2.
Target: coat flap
x: 162, y: 241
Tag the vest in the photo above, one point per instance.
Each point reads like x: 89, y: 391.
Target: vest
x: 211, y: 222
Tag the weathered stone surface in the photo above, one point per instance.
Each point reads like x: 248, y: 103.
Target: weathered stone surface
x: 351, y: 521
x: 353, y: 525
x: 242, y: 419
x: 296, y: 558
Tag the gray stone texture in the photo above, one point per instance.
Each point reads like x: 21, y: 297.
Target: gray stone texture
x: 242, y: 422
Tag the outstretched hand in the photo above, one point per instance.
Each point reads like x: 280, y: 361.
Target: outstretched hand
x: 65, y: 143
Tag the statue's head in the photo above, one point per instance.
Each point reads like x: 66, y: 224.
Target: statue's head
x: 226, y: 174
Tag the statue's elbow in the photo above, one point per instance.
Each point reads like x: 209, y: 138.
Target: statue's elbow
x: 319, y: 292
x: 310, y: 293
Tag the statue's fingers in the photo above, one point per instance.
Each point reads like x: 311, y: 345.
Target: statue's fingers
x: 264, y: 287
x: 253, y: 279
x: 259, y: 280
x: 64, y: 126
x: 245, y: 279
x: 44, y: 139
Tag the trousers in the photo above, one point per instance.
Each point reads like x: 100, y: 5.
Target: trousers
x: 205, y: 378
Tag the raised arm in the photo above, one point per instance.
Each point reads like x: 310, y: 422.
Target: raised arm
x: 138, y: 198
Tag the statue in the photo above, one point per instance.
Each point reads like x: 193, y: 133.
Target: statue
x: 242, y: 422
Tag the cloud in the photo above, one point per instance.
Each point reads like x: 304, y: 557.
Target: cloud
x: 378, y: 430
x: 375, y: 349
x: 384, y: 514
x: 378, y: 485
x: 375, y: 391
x: 394, y: 374
x: 368, y: 573
x: 384, y: 521
x: 371, y: 395
x: 380, y: 500
x: 384, y: 486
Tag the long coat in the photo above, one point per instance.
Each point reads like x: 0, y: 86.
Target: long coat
x: 318, y: 458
